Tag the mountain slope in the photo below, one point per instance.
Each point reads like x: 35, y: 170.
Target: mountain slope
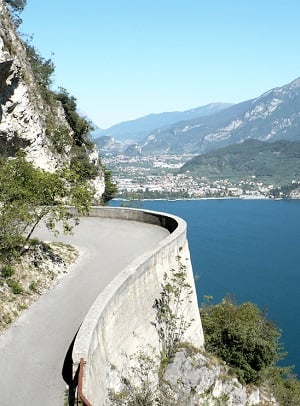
x: 34, y: 118
x: 274, y: 115
x: 277, y: 162
x: 136, y: 130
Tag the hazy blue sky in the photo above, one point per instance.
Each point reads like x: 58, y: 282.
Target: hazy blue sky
x: 123, y: 59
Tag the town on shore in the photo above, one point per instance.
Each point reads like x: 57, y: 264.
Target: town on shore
x: 157, y: 177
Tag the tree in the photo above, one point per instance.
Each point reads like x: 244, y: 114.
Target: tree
x: 110, y: 187
x: 17, y: 5
x: 29, y: 195
x: 79, y: 125
x: 242, y: 336
x: 42, y: 69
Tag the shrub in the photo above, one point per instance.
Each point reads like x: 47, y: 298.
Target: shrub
x: 242, y: 336
x: 61, y: 139
x: 15, y: 286
x: 7, y: 271
x: 34, y: 287
x: 80, y: 165
x: 110, y: 187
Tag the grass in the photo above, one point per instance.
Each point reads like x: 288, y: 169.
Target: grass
x: 23, y: 281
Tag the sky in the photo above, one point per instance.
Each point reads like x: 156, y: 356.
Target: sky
x: 125, y: 59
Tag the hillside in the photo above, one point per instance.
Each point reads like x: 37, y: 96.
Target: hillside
x: 137, y: 130
x: 277, y: 162
x: 33, y: 118
x: 270, y: 117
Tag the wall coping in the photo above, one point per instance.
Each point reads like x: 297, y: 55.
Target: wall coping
x: 90, y: 335
x: 178, y: 229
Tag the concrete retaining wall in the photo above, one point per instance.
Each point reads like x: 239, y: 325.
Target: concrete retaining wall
x: 119, y: 322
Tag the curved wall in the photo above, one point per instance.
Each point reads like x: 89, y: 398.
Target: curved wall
x: 119, y: 322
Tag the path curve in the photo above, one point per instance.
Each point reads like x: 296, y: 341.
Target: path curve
x: 32, y: 350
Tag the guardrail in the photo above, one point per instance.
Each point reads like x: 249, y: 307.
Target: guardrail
x: 119, y: 321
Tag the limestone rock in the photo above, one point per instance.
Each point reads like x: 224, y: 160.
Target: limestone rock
x: 24, y: 113
x: 197, y: 379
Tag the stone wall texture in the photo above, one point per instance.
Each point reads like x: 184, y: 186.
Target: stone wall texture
x: 119, y: 322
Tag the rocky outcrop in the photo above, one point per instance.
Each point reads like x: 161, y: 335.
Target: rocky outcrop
x: 196, y: 378
x: 26, y: 119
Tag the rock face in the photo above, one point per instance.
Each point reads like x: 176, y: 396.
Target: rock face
x: 197, y: 379
x: 24, y: 113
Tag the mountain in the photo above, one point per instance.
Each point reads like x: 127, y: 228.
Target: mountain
x: 277, y: 162
x: 137, y: 130
x: 272, y: 116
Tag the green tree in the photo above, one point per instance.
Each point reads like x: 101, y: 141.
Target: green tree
x: 42, y: 68
x: 29, y: 195
x: 242, y: 336
x: 79, y: 125
x: 110, y: 187
x: 81, y: 166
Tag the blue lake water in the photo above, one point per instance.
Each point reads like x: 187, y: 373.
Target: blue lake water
x: 250, y: 249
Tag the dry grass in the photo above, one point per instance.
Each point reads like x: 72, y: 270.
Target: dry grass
x: 38, y: 270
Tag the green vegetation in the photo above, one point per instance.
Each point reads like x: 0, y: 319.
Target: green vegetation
x: 284, y: 385
x: 144, y: 383
x: 81, y: 166
x: 110, y: 187
x: 61, y: 138
x: 242, y: 336
x: 151, y: 194
x: 170, y: 322
x: 15, y: 286
x: 73, y: 140
x: 285, y: 190
x: 271, y: 163
x: 7, y: 271
x: 248, y: 342
x: 79, y: 125
x: 42, y: 69
x: 30, y: 195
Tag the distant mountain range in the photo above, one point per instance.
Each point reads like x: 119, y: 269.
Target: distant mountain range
x: 271, y: 163
x: 273, y: 116
x: 137, y: 130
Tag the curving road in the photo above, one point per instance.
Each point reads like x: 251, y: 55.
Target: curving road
x: 33, y: 349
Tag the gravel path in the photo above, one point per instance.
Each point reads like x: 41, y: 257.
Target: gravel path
x: 33, y: 349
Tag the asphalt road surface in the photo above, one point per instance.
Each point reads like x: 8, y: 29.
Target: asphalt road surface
x: 33, y: 349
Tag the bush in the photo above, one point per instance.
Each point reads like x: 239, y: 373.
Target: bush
x: 29, y: 196
x: 7, y: 271
x: 15, y: 286
x: 242, y: 336
x: 61, y: 139
x: 80, y: 165
x: 79, y: 125
x: 110, y: 187
x: 42, y: 69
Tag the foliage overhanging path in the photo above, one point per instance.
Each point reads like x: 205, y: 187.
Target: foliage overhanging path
x: 33, y: 349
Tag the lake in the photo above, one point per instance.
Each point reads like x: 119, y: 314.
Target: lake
x: 247, y: 248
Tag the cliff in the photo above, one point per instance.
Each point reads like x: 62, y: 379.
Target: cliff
x: 29, y: 119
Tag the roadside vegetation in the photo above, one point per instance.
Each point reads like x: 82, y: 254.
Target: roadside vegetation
x: 144, y: 382
x: 243, y: 337
x: 240, y: 342
x: 30, y: 196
